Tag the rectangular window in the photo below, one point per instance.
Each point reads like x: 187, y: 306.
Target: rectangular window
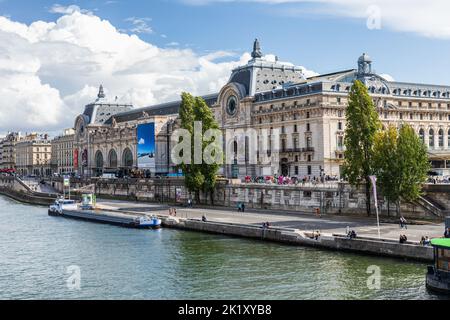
x: 296, y: 170
x: 309, y: 170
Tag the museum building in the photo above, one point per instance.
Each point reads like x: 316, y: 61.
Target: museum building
x: 306, y: 113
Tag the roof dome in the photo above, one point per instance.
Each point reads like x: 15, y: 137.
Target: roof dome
x: 365, y: 58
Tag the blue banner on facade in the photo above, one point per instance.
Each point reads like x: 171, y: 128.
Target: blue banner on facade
x: 146, y: 147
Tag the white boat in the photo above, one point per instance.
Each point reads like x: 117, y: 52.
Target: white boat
x: 149, y: 222
x: 57, y: 208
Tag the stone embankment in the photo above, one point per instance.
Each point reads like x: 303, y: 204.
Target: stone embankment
x: 370, y: 246
x: 18, y: 190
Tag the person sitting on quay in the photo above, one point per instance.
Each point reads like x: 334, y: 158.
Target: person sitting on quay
x: 316, y: 235
x: 204, y: 219
x: 403, y: 239
x: 352, y: 235
x: 427, y: 241
x: 266, y: 225
x: 447, y: 233
x: 422, y: 241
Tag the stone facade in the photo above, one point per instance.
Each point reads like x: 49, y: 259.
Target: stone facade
x: 8, y: 151
x: 105, y: 139
x: 62, y: 152
x: 33, y: 155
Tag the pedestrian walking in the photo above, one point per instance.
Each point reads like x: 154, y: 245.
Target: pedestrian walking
x: 318, y: 212
x: 403, y: 223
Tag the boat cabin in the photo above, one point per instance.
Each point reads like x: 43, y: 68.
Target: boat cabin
x: 442, y: 255
x: 438, y: 278
x: 88, y: 201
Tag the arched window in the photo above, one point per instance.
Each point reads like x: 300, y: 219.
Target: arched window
x: 448, y: 137
x: 422, y: 135
x: 431, y: 138
x: 441, y: 138
x: 99, y: 160
x: 127, y: 158
x: 112, y: 159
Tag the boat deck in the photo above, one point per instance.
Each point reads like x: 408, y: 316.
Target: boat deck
x: 109, y: 217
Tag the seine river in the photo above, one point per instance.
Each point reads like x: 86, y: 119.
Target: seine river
x: 38, y: 254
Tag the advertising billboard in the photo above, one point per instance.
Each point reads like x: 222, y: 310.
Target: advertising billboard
x: 146, y: 148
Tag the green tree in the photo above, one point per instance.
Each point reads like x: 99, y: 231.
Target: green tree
x: 413, y: 163
x: 401, y: 164
x: 362, y: 126
x: 386, y: 163
x: 199, y: 176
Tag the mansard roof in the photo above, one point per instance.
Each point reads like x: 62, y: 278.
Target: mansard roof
x: 99, y: 111
x: 170, y: 108
x: 260, y: 74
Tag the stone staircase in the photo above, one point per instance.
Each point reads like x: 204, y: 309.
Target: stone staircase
x: 432, y: 206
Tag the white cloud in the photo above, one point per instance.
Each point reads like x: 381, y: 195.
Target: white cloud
x: 139, y: 25
x: 142, y: 141
x: 50, y: 70
x: 428, y: 18
x: 60, y: 9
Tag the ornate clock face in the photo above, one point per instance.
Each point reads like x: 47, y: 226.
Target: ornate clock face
x: 232, y: 106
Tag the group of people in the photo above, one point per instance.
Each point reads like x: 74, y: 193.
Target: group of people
x: 266, y: 225
x: 425, y: 241
x: 351, y: 234
x: 286, y: 180
x: 241, y: 207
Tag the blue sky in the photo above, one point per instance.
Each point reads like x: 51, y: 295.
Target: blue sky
x: 321, y: 42
x: 148, y: 52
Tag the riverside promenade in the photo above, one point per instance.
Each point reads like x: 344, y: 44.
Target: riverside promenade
x: 329, y: 224
x: 296, y: 228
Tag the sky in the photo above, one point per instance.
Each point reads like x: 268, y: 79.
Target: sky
x: 54, y: 55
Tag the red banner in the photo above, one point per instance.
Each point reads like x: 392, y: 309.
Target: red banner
x: 75, y: 158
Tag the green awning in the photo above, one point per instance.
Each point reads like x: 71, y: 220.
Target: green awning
x: 443, y: 243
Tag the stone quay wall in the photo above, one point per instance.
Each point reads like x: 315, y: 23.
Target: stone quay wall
x: 19, y: 191
x: 330, y: 198
x: 375, y: 247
